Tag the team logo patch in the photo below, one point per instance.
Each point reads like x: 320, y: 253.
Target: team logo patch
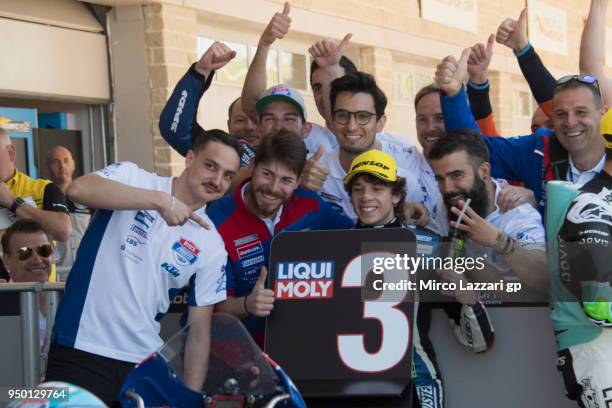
x: 185, y: 252
x: 245, y: 240
x: 252, y: 261
x: 171, y: 269
x: 590, y: 208
x: 145, y: 218
x: 133, y: 240
x: 304, y: 280
x: 139, y: 231
x: 249, y: 249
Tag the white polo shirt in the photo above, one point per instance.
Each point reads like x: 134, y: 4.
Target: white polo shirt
x: 421, y: 185
x: 320, y: 135
x: 523, y: 224
x: 129, y: 266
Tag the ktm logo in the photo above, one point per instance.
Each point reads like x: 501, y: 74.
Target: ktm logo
x: 171, y: 269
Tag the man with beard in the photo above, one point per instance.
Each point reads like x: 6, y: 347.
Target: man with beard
x: 511, y: 242
x: 260, y: 208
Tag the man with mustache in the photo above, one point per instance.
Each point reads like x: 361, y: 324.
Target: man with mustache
x: 260, y: 208
x: 149, y: 238
x: 512, y: 241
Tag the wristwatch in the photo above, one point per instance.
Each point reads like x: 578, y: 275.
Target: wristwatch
x: 18, y: 202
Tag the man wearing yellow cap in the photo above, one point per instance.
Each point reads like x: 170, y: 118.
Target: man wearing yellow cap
x: 376, y: 192
x: 581, y: 281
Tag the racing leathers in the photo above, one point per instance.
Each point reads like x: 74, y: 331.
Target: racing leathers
x: 582, y: 314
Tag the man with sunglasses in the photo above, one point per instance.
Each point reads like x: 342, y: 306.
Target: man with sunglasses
x: 22, y: 197
x: 573, y: 152
x: 28, y: 257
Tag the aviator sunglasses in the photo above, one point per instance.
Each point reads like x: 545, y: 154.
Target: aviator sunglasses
x: 24, y: 253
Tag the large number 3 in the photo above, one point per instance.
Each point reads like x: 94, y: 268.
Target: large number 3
x: 395, y: 326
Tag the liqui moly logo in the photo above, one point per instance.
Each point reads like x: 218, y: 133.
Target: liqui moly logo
x: 304, y: 280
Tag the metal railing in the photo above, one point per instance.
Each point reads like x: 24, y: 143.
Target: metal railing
x: 29, y: 312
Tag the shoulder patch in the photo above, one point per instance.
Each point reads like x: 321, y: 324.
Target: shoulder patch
x: 589, y: 207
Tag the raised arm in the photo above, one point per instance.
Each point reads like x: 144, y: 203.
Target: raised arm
x: 178, y: 120
x: 478, y: 86
x: 95, y: 191
x: 449, y: 76
x: 256, y: 78
x: 593, y: 46
x: 513, y: 34
x: 327, y: 54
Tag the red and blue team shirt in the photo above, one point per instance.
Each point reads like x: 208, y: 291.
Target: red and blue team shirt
x: 247, y: 238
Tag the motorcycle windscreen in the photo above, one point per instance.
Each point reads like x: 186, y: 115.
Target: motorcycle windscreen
x: 236, y: 365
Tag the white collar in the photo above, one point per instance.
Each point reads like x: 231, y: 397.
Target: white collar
x: 597, y: 169
x: 498, y: 187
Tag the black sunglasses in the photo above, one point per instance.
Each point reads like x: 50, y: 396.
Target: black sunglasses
x: 583, y: 79
x: 24, y: 253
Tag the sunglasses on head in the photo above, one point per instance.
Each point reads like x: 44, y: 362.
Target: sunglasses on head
x: 26, y: 252
x: 583, y: 79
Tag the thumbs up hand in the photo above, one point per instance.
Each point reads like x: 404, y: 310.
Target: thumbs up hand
x: 328, y: 52
x: 260, y: 301
x: 451, y: 73
x: 314, y: 173
x: 277, y: 28
x: 480, y: 58
x: 513, y: 33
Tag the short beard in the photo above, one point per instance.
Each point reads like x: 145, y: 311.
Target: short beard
x: 479, y: 196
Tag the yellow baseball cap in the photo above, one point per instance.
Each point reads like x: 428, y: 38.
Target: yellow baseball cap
x: 606, y: 128
x: 379, y: 164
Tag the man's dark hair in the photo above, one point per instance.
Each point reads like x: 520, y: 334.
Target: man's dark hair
x: 398, y: 187
x: 575, y: 84
x: 467, y: 140
x: 357, y: 82
x: 284, y: 146
x: 23, y: 226
x: 202, y: 139
x: 429, y: 89
x: 347, y: 64
x: 231, y: 107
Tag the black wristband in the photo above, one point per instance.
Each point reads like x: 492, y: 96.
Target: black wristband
x: 16, y: 204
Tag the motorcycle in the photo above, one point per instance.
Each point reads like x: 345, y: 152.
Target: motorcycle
x: 239, y: 375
